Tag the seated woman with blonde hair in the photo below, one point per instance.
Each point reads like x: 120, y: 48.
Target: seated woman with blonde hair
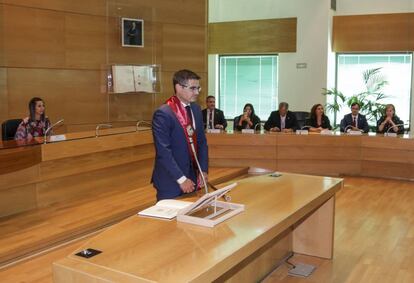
x: 36, y: 124
x: 390, y: 120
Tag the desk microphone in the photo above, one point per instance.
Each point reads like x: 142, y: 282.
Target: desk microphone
x: 190, y: 133
x: 347, y: 127
x: 101, y: 126
x: 306, y: 127
x: 258, y: 124
x: 388, y: 131
x: 50, y: 128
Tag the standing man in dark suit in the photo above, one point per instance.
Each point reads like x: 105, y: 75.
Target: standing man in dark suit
x: 354, y: 121
x: 213, y: 118
x: 282, y: 120
x: 175, y: 125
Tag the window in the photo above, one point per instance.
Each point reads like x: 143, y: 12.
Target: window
x: 395, y: 68
x: 248, y: 79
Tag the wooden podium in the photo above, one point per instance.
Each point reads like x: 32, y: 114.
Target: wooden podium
x: 290, y: 213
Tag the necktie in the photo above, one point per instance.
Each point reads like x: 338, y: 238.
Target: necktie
x: 189, y: 116
x: 210, y: 120
x: 353, y: 122
x: 282, y: 123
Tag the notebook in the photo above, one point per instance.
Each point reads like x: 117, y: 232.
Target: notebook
x: 166, y: 209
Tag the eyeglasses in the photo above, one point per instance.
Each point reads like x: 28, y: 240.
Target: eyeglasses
x: 192, y: 88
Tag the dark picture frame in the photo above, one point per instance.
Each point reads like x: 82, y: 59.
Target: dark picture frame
x: 132, y: 31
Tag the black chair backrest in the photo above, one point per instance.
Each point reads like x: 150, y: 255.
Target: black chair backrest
x: 9, y: 128
x: 301, y: 117
x: 236, y: 122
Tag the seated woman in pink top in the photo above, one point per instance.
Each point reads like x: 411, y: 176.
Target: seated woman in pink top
x: 36, y: 124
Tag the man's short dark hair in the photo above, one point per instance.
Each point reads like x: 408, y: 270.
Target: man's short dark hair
x: 181, y: 77
x: 210, y: 96
x: 356, y: 103
x: 284, y: 105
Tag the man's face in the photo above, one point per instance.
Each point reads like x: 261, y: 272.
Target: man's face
x: 282, y: 111
x: 211, y: 103
x: 355, y: 109
x: 189, y: 91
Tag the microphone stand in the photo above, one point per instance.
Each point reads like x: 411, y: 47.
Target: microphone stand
x: 100, y: 126
x: 258, y: 124
x: 392, y: 127
x: 50, y: 128
x: 190, y: 132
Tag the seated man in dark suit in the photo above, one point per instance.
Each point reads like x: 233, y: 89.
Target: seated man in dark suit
x: 213, y: 118
x: 282, y: 120
x: 354, y: 121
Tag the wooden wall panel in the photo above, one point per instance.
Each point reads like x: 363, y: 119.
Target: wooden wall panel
x: 184, y: 47
x: 71, y: 94
x: 90, y: 7
x: 85, y: 39
x: 33, y: 37
x: 379, y: 32
x: 4, y: 109
x: 94, y: 183
x: 18, y: 199
x: 61, y: 51
x: 258, y: 36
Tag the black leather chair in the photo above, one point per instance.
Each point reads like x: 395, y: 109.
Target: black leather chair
x: 236, y: 122
x: 301, y: 117
x: 9, y: 128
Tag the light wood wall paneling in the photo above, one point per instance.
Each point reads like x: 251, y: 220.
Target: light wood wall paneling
x: 379, y: 32
x: 256, y: 36
x: 94, y: 161
x: 4, y: 98
x: 90, y: 7
x: 53, y: 151
x: 71, y: 94
x: 184, y: 47
x: 18, y: 199
x: 33, y: 37
x: 93, y: 183
x: 18, y: 158
x: 18, y: 178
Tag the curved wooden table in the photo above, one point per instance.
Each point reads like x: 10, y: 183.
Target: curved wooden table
x: 366, y: 155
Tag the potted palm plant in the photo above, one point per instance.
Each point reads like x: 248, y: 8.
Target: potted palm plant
x: 370, y: 99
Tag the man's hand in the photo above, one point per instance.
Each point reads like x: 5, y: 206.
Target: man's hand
x: 275, y: 129
x: 187, y: 186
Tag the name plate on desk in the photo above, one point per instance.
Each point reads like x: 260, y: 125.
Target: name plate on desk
x: 247, y: 131
x: 394, y: 135
x: 213, y: 131
x: 56, y: 138
x: 354, y: 133
x: 326, y: 132
x: 302, y: 132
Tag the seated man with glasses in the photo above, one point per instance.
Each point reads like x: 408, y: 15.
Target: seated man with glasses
x: 354, y: 121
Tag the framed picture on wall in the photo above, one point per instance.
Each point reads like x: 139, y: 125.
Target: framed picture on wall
x: 132, y: 32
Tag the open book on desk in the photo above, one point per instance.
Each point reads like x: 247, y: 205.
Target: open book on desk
x: 166, y: 209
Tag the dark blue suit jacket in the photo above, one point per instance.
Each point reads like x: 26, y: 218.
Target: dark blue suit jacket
x: 362, y: 122
x: 173, y: 159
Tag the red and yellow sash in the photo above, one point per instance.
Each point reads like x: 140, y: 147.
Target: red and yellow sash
x: 180, y: 112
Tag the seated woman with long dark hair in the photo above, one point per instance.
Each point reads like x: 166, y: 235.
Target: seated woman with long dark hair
x: 318, y: 121
x: 36, y: 124
x: 248, y: 120
x: 390, y: 120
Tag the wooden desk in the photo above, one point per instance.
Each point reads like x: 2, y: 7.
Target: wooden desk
x: 40, y: 175
x: 368, y: 156
x: 284, y: 214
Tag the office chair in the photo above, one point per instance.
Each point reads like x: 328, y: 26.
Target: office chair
x: 301, y: 117
x: 9, y: 128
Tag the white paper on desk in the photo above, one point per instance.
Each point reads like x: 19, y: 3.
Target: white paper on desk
x: 167, y: 209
